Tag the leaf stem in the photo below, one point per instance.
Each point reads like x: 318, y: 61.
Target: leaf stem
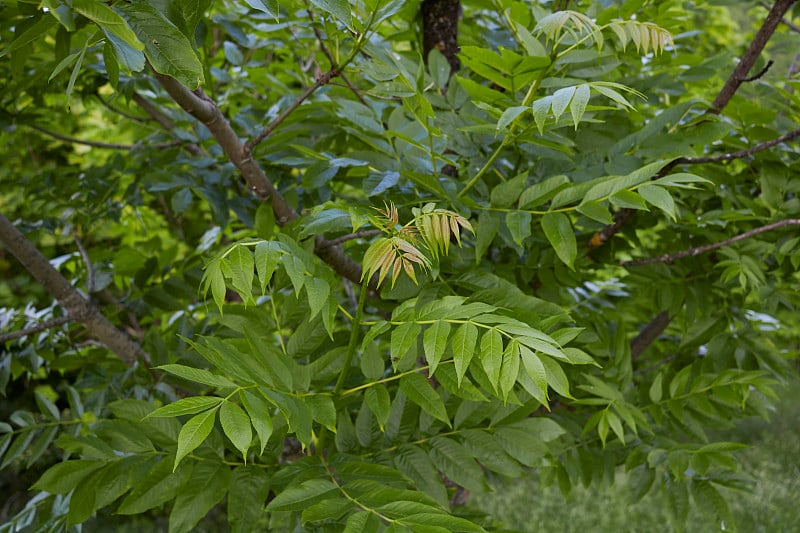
x: 354, y: 334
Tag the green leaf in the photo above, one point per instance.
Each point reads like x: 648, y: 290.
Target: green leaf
x: 507, y: 193
x: 35, y: 32
x: 331, y: 509
x: 509, y: 115
x: 238, y: 265
x: 267, y: 255
x: 417, y: 465
x: 596, y: 211
x: 338, y: 8
x: 486, y: 230
x: 519, y: 225
x: 236, y: 425
x: 492, y: 355
x: 198, y: 375
x: 160, y: 485
x: 186, y: 406
x: 434, y: 343
x: 207, y: 485
x: 659, y: 197
x: 509, y: 369
x: 379, y: 402
x: 628, y: 199
x: 270, y: 7
x: 440, y: 522
x: 318, y: 291
x: 298, y: 497
x: 485, y: 448
x: 463, y: 342
x: 168, y: 50
x: 108, y: 20
x: 558, y: 230
x: 456, y: 463
x: 540, y: 109
x: 131, y: 59
x: 296, y: 269
x: 540, y: 193
x: 419, y: 391
x: 561, y: 100
x: 403, y: 338
x: 193, y: 433
x: 249, y: 489
x: 579, y: 102
x: 556, y: 377
x: 63, y: 477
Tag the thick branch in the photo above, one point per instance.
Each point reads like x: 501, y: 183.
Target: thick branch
x: 440, y: 29
x: 97, y: 144
x: 77, y: 306
x: 789, y: 24
x: 649, y: 334
x: 34, y: 329
x: 750, y: 56
x: 206, y: 111
x: 691, y: 252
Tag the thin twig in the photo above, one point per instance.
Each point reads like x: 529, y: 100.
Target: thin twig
x: 120, y: 112
x: 328, y: 54
x: 98, y: 144
x: 649, y: 334
x: 35, y: 329
x: 165, y: 122
x: 269, y: 128
x: 89, y: 268
x: 740, y: 154
x: 691, y: 252
x: 656, y: 366
x: 364, y: 234
x: 761, y: 72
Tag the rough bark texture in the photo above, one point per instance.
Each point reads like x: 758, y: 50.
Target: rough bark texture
x: 77, y: 306
x: 440, y: 29
x: 649, y: 334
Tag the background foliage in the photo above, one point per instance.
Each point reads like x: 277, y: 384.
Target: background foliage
x: 367, y: 282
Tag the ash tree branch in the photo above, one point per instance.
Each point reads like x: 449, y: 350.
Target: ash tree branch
x: 164, y: 121
x: 750, y: 56
x: 789, y: 24
x: 691, y: 252
x: 97, y: 144
x: 206, y: 111
x: 736, y: 155
x: 78, y: 308
x: 365, y: 234
x: 35, y: 329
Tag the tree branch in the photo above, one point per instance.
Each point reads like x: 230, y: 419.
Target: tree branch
x: 750, y: 56
x: 691, y: 252
x: 206, y: 111
x: 792, y: 26
x: 34, y: 329
x: 736, y: 155
x: 78, y: 308
x: 97, y: 144
x: 263, y: 134
x: 365, y: 234
x: 649, y: 334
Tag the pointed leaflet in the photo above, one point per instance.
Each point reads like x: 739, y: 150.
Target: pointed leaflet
x: 419, y: 391
x: 379, y: 402
x: 434, y: 342
x: 519, y: 224
x: 509, y: 115
x: 556, y: 377
x: 318, y: 291
x: 579, y: 102
x: 463, y: 341
x: 238, y: 266
x: 270, y: 7
x: 267, y: 255
x: 456, y: 463
x: 403, y: 338
x: 160, y: 485
x: 168, y: 50
x: 298, y: 497
x: 186, y: 406
x: 63, y: 477
x: 492, y: 355
x: 207, y: 485
x: 484, y: 447
x: 659, y: 197
x: 509, y: 369
x: 248, y: 492
x: 236, y: 425
x: 193, y: 433
x: 558, y: 230
x: 198, y: 375
x: 488, y: 225
x: 338, y: 8
x: 536, y: 371
x: 108, y: 20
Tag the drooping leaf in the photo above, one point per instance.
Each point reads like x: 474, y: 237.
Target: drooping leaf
x: 193, y: 433
x: 558, y: 230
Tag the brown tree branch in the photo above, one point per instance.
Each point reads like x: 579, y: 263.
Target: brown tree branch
x: 365, y: 234
x: 97, y: 144
x: 789, y: 24
x: 736, y: 155
x: 750, y: 56
x: 164, y: 121
x: 34, y: 329
x: 649, y: 334
x: 206, y: 111
x: 691, y: 252
x: 78, y: 308
x: 269, y: 128
x: 120, y: 112
x: 440, y: 29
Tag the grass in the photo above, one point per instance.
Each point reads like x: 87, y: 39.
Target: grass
x: 772, y: 506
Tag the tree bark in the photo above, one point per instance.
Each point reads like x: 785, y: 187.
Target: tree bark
x: 79, y: 309
x: 440, y: 29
